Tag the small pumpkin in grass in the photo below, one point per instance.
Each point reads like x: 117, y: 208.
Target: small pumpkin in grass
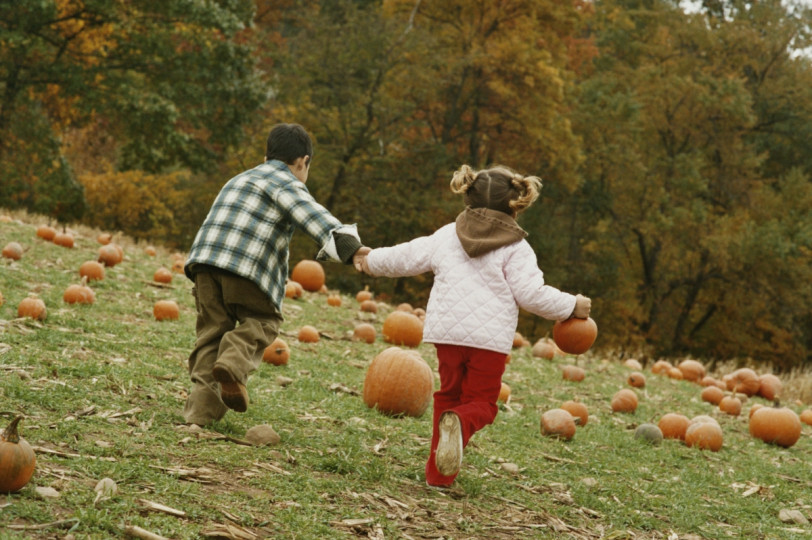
x: 518, y: 340
x: 636, y: 379
x: 770, y: 386
x: 707, y: 380
x: 704, y: 419
x: 575, y: 336
x: 504, y: 393
x: 661, y: 367
x: 705, y: 436
x: 674, y: 425
x: 293, y: 290
x: 162, y: 275
x: 578, y: 411
x: 334, y: 300
x: 692, y: 370
x: 46, y: 232
x: 277, y: 353
x: 92, y: 270
x: 398, y: 382
x: 32, y: 307
x: 543, y: 349
x: 64, y: 239
x: 712, y: 394
x: 369, y: 306
x: 17, y: 459
x: 675, y: 373
x: 776, y: 425
x: 166, y: 310
x: 572, y: 373
x: 104, y: 238
x: 558, y: 423
x: 649, y: 433
x: 420, y: 313
x: 625, y: 401
x: 363, y: 295
x: 364, y: 332
x: 309, y: 273
x: 308, y: 334
x: 806, y: 416
x: 109, y: 255
x: 743, y: 380
x: 150, y: 251
x: 402, y: 328
x: 13, y: 251
x: 405, y: 306
x: 79, y: 294
x: 731, y: 405
x: 633, y: 363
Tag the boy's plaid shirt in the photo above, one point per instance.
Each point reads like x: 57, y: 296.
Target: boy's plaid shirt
x: 250, y: 224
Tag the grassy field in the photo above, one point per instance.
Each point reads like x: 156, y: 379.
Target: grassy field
x: 102, y: 386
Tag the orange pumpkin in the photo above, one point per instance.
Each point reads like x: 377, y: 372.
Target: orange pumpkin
x: 691, y: 370
x: 309, y: 273
x: 64, y: 239
x: 398, y: 382
x: 17, y: 459
x: 674, y: 425
x: 705, y: 436
x: 661, y: 367
x: 558, y: 423
x: 277, y: 353
x: 13, y: 251
x: 712, y: 394
x: 369, y: 306
x: 46, y: 232
x: 731, y: 405
x: 405, y: 306
x: 636, y: 379
x: 806, y: 416
x: 308, y: 334
x: 518, y: 340
x: 162, y: 275
x: 166, y: 310
x: 79, y: 294
x: 92, y: 270
x: 704, y: 419
x: 578, y: 411
x: 572, y: 373
x: 776, y: 425
x: 104, y: 238
x: 364, y: 332
x: 109, y: 255
x: 743, y: 380
x: 625, y: 401
x: 150, y: 251
x: 675, y: 373
x: 770, y: 386
x: 32, y: 307
x: 293, y: 290
x: 334, y: 300
x: 504, y: 393
x: 543, y: 349
x: 402, y: 328
x: 363, y: 295
x: 420, y: 313
x: 754, y: 408
x: 575, y: 336
x: 633, y: 363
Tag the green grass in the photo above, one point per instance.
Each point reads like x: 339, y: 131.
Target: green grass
x: 102, y: 388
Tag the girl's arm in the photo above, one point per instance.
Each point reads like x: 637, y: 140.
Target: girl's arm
x: 526, y: 281
x: 408, y: 259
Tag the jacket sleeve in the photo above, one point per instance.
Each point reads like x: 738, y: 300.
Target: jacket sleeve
x: 526, y: 281
x: 408, y: 259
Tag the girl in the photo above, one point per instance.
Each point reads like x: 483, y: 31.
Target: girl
x: 484, y: 272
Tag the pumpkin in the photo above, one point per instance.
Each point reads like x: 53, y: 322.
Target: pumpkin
x: 277, y: 353
x: 308, y: 334
x: 572, y: 373
x: 165, y: 310
x: 162, y: 275
x: 293, y: 290
x: 402, y: 328
x: 504, y: 393
x: 334, y: 300
x: 178, y: 265
x: 46, y: 232
x: 79, y: 294
x: 575, y: 336
x: 624, y: 401
x: 364, y: 332
x: 707, y: 380
x: 150, y: 251
x: 649, y: 433
x: 578, y: 411
x: 109, y: 255
x: 405, y: 306
x: 661, y: 367
x: 754, y: 408
x: 806, y: 416
x: 558, y: 423
x: 743, y: 380
x: 369, y: 306
x: 92, y: 270
x: 64, y: 239
x: 770, y: 386
x: 32, y: 307
x: 17, y: 459
x: 691, y: 370
x: 731, y: 405
x: 543, y: 349
x: 420, y: 313
x: 675, y: 373
x: 13, y: 251
x: 776, y: 425
x: 704, y: 419
x: 712, y: 394
x: 363, y: 295
x: 636, y: 379
x: 309, y: 273
x: 705, y: 436
x: 633, y: 363
x: 104, y: 238
x: 398, y: 382
x: 518, y: 340
x: 674, y: 425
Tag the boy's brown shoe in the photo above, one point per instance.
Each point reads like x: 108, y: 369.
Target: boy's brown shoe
x: 448, y: 458
x: 232, y: 392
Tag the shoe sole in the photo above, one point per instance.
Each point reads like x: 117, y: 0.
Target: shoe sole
x: 448, y: 458
x: 232, y: 392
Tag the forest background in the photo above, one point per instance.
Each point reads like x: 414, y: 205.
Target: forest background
x: 674, y: 146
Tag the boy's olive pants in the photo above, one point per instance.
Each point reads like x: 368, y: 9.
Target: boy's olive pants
x: 236, y: 321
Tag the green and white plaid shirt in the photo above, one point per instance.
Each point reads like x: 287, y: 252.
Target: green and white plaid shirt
x: 249, y: 227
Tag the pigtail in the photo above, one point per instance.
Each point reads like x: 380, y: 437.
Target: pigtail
x: 462, y: 179
x: 528, y: 188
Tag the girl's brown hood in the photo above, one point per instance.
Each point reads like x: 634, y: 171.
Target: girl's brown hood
x: 482, y: 230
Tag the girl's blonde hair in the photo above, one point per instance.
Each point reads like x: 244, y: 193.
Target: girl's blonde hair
x: 497, y: 188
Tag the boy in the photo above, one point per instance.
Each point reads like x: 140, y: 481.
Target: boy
x: 239, y: 264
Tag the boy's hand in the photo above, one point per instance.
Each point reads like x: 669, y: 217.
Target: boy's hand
x: 583, y: 305
x: 359, y: 260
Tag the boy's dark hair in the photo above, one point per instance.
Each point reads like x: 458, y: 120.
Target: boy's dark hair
x: 287, y: 143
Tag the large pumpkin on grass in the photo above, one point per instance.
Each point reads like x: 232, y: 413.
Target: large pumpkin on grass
x: 32, y: 307
x: 578, y: 411
x: 13, y: 251
x: 625, y: 401
x: 17, y: 459
x: 692, y: 370
x: 166, y: 310
x: 743, y: 380
x: 558, y: 423
x: 277, y: 353
x: 402, y: 328
x: 309, y: 273
x: 92, y: 270
x: 575, y: 336
x: 704, y: 435
x: 674, y: 425
x: 398, y: 382
x: 776, y: 425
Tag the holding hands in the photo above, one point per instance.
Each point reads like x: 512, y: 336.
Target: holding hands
x: 359, y: 260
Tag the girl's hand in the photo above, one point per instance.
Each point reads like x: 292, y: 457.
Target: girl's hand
x: 583, y: 305
x: 359, y: 260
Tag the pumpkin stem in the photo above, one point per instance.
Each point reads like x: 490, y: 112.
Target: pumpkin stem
x: 10, y: 433
x: 777, y: 403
